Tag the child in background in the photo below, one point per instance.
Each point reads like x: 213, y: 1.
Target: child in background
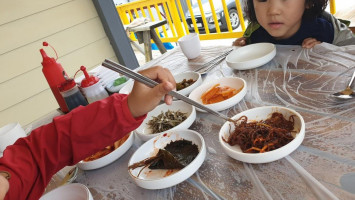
x: 293, y: 22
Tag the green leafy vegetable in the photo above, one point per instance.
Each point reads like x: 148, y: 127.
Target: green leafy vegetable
x: 166, y: 121
x: 119, y: 81
x: 184, y: 84
x: 175, y: 155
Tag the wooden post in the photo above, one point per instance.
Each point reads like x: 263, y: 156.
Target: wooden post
x: 157, y: 41
x: 147, y: 46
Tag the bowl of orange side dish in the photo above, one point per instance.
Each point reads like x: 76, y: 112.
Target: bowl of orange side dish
x: 262, y: 134
x: 220, y: 94
x: 107, y: 155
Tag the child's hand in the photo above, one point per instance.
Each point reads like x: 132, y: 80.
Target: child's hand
x: 240, y: 42
x: 143, y: 99
x: 309, y: 43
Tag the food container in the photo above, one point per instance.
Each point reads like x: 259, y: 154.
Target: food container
x: 73, y: 191
x: 71, y: 94
x: 92, y: 88
x: 53, y: 72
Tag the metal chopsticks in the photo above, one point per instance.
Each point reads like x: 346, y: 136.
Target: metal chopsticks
x: 215, y: 61
x: 151, y: 83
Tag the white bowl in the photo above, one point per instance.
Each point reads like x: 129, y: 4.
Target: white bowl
x: 233, y: 82
x: 188, y: 75
x: 117, y: 88
x: 73, y: 191
x: 145, y: 133
x: 109, y: 158
x: 257, y: 114
x: 161, y: 178
x: 251, y: 56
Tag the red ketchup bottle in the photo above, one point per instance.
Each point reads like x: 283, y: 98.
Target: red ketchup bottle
x: 53, y: 71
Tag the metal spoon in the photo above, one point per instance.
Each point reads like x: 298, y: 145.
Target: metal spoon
x: 348, y: 93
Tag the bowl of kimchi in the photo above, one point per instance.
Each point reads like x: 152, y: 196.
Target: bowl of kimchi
x: 220, y: 94
x: 263, y: 134
x: 107, y: 155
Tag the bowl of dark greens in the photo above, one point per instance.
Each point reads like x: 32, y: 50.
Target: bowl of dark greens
x: 187, y: 81
x: 167, y: 159
x: 164, y: 118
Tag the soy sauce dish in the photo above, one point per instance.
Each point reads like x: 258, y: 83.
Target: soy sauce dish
x: 164, y: 178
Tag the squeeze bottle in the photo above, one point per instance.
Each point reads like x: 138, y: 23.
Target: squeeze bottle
x: 71, y: 94
x: 92, y: 88
x: 53, y: 71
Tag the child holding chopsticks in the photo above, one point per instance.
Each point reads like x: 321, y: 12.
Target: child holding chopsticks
x: 28, y: 165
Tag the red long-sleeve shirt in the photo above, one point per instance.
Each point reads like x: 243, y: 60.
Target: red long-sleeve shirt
x: 33, y: 160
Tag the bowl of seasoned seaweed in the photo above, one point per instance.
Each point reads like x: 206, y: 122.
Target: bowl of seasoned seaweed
x: 178, y: 115
x: 167, y: 159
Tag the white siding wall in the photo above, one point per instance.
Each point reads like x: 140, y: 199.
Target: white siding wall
x: 72, y: 27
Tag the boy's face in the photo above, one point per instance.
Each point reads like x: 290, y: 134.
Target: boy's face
x: 280, y: 18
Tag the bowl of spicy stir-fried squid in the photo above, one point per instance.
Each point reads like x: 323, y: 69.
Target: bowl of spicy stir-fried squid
x: 262, y: 134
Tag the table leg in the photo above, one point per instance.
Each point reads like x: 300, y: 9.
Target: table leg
x: 147, y: 46
x: 157, y: 41
x: 139, y: 48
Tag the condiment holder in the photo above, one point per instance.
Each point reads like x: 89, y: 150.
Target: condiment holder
x: 91, y: 87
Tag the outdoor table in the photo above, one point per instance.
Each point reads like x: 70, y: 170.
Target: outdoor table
x: 145, y: 33
x: 323, y: 167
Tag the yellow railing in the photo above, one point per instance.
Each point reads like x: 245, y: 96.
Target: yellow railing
x: 177, y: 25
x: 173, y: 12
x: 332, y: 6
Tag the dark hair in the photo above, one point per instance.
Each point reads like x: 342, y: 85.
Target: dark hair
x: 316, y: 7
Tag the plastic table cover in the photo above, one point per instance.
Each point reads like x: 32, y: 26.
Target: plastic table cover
x: 323, y: 167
